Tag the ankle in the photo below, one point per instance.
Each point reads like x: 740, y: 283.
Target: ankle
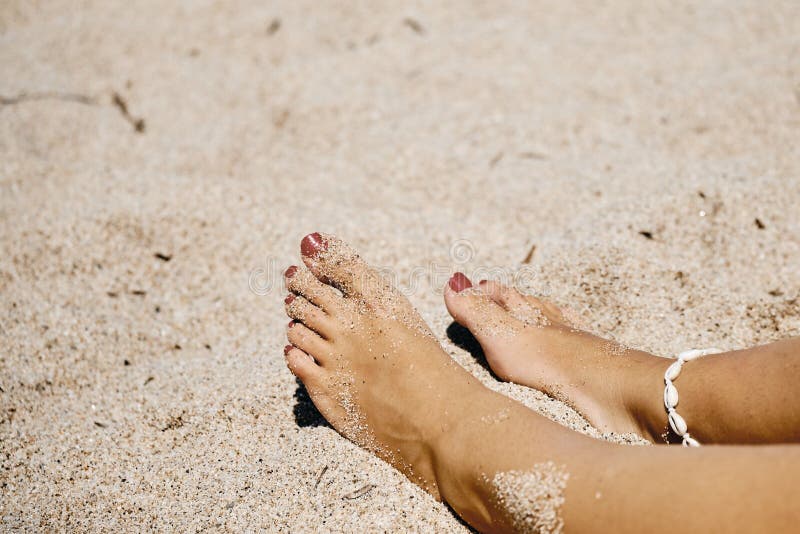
x: 644, y: 387
x: 616, y: 389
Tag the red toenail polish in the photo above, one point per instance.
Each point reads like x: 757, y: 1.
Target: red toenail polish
x: 459, y: 282
x: 291, y: 323
x: 289, y: 299
x: 290, y: 271
x: 482, y: 282
x: 286, y: 349
x: 312, y: 244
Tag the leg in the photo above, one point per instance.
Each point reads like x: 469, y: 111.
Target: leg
x: 376, y: 373
x: 515, y: 476
x: 743, y: 396
x: 738, y: 397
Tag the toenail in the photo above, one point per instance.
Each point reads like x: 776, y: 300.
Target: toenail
x: 312, y: 244
x: 482, y: 282
x: 290, y: 271
x: 291, y: 323
x: 289, y: 299
x: 459, y: 282
x: 286, y: 349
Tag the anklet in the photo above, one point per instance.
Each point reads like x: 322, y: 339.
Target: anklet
x: 676, y: 422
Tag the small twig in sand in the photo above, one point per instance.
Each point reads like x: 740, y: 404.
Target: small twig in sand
x: 415, y: 26
x: 138, y: 124
x: 47, y: 95
x: 360, y: 492
x: 495, y: 160
x: 529, y: 255
x: 320, y: 475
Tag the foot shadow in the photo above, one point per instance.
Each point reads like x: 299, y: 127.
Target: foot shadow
x: 463, y: 339
x: 305, y: 413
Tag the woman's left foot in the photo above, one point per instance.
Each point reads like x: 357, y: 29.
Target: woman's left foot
x: 370, y: 364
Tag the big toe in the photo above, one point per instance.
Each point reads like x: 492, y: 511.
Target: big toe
x: 336, y: 263
x: 476, y: 311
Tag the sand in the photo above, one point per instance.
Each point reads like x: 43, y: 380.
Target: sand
x: 648, y: 152
x: 532, y: 499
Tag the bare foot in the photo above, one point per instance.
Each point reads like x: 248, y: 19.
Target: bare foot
x: 369, y: 362
x: 529, y: 341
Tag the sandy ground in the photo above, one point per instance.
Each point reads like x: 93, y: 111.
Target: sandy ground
x: 649, y: 151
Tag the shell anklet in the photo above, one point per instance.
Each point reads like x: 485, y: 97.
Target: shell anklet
x: 676, y: 422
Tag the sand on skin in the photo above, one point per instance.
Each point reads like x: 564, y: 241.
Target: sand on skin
x: 582, y: 129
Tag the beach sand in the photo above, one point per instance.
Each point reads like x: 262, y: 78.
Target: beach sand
x: 159, y: 163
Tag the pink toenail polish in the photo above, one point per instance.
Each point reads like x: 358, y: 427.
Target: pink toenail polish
x: 482, y: 282
x: 459, y: 282
x: 289, y: 299
x: 286, y: 349
x: 312, y: 244
x: 291, y: 323
x: 290, y: 271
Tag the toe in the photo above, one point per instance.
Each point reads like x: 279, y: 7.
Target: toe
x: 475, y: 310
x: 303, y: 282
x: 336, y: 263
x: 526, y: 308
x: 301, y: 364
x: 554, y: 311
x: 301, y: 310
x: 317, y: 382
x: 308, y: 341
x: 551, y: 311
x: 507, y: 297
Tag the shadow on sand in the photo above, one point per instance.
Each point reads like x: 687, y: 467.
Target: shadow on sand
x: 463, y: 339
x: 305, y: 413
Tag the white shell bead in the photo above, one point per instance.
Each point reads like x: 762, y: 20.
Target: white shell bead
x: 670, y: 395
x: 677, y: 423
x: 690, y: 354
x: 689, y: 441
x: 673, y: 370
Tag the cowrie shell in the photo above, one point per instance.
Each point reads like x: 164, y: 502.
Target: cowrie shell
x: 673, y: 370
x: 690, y: 354
x: 670, y: 395
x: 689, y: 441
x: 677, y: 423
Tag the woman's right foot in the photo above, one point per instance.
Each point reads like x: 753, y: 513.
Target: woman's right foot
x: 529, y: 342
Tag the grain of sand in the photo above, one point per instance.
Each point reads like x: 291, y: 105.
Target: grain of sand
x: 648, y: 150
